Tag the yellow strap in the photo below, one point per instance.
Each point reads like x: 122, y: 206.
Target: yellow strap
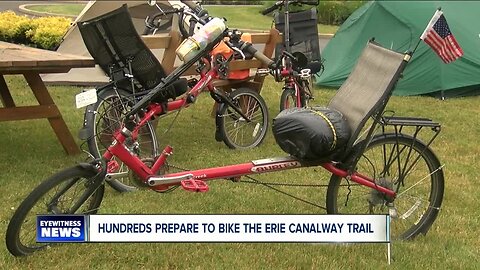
x: 334, y: 143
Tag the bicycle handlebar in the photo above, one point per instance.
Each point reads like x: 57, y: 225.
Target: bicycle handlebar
x: 236, y: 42
x: 260, y: 56
x: 272, y: 8
x: 196, y: 12
x: 150, y: 20
x: 190, y: 5
x: 279, y: 4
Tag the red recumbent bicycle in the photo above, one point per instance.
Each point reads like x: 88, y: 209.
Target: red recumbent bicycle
x: 133, y: 70
x: 380, y: 169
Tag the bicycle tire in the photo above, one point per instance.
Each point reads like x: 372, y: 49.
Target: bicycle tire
x: 252, y: 104
x: 25, y: 215
x: 288, y: 99
x: 395, y: 152
x: 105, y: 117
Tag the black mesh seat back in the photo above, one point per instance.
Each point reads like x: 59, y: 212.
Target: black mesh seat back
x: 303, y: 33
x: 113, y: 41
x: 368, y: 86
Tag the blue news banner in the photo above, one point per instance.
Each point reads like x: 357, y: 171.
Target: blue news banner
x: 214, y: 228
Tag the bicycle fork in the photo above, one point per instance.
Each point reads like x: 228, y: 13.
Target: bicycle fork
x: 224, y: 100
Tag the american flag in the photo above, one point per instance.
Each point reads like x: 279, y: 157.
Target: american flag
x: 438, y: 36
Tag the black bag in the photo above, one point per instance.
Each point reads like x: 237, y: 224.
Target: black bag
x: 303, y: 34
x: 311, y: 133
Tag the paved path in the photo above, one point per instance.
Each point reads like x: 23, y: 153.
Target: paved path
x: 13, y: 5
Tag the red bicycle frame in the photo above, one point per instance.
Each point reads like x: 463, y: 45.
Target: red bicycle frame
x: 161, y: 182
x: 206, y: 80
x: 291, y: 78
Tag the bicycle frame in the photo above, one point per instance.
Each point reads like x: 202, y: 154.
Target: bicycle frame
x: 288, y: 73
x: 206, y: 80
x: 294, y: 80
x: 161, y: 182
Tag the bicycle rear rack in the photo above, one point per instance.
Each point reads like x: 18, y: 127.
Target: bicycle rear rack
x: 400, y: 124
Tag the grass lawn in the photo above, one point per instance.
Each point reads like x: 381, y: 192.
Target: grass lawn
x: 250, y: 18
x: 244, y: 17
x: 30, y: 152
x: 69, y: 9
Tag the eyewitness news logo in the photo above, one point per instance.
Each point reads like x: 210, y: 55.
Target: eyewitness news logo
x: 61, y: 228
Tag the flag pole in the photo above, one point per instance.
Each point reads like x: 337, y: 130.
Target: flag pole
x: 430, y: 24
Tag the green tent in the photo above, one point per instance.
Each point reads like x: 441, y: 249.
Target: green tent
x: 398, y: 25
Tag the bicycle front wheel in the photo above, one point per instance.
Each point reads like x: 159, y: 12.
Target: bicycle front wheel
x: 106, y: 117
x: 60, y: 194
x: 238, y: 132
x: 400, y: 163
x: 288, y: 99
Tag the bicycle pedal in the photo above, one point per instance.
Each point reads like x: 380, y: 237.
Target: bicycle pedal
x: 194, y: 185
x: 113, y: 166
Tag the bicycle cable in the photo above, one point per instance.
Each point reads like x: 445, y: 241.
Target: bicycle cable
x: 271, y: 186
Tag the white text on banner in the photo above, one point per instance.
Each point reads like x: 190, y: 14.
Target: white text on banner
x: 239, y: 228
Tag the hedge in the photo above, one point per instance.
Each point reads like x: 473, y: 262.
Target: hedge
x: 44, y: 32
x: 336, y: 12
x: 329, y: 12
x: 232, y: 2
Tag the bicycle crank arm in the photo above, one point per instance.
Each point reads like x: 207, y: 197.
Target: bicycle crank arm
x: 113, y: 176
x: 156, y: 181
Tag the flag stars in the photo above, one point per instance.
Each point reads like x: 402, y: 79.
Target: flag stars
x: 441, y: 27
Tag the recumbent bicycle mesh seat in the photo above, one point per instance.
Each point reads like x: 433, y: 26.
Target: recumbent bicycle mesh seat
x: 117, y: 48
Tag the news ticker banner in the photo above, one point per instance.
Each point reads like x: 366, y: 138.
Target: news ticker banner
x: 214, y: 228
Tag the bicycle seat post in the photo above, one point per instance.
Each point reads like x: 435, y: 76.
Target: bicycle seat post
x: 287, y: 27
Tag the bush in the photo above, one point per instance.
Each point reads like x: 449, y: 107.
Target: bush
x: 44, y: 32
x: 47, y: 32
x: 231, y: 2
x: 13, y: 27
x: 329, y: 12
x: 336, y: 12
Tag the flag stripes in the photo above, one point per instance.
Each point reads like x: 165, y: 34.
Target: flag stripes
x: 438, y: 36
x: 448, y: 48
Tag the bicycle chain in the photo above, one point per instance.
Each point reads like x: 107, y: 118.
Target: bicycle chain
x: 272, y: 185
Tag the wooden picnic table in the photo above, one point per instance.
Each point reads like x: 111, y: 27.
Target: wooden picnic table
x: 31, y: 62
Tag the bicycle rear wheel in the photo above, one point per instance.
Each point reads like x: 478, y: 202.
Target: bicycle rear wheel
x: 57, y: 195
x: 400, y: 163
x: 236, y: 131
x: 104, y: 118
